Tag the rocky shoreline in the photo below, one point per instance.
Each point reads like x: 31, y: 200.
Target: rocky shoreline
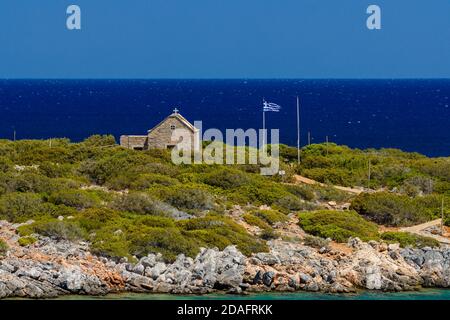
x: 51, y: 268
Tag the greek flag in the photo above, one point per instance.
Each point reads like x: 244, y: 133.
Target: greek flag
x: 269, y: 106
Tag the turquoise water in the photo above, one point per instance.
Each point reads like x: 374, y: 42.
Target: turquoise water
x: 428, y: 294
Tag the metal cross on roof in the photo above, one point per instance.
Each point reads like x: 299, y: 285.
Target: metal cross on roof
x: 175, y: 110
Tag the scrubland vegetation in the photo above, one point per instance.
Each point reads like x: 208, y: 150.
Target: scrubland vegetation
x: 338, y: 225
x: 3, y: 248
x: 128, y: 203
x: 408, y: 239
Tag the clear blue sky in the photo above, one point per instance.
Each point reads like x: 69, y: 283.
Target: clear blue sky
x: 224, y: 39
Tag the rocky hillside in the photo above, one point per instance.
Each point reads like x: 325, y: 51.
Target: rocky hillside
x: 49, y: 268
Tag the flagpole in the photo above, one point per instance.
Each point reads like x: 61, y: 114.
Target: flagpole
x: 298, y: 130
x: 264, y: 126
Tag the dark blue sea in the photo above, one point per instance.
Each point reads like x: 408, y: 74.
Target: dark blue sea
x: 413, y: 115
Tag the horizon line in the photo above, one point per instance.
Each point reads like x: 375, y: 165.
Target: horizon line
x: 229, y: 78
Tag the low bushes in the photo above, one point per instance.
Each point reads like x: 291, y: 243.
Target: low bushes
x: 119, y: 234
x: 290, y: 203
x: 270, y: 216
x: 78, y: 199
x: 139, y: 203
x: 145, y: 181
x: 337, y: 225
x: 329, y: 175
x: 26, y: 241
x: 5, y: 164
x: 27, y: 181
x: 111, y: 241
x: 215, y: 231
x: 99, y: 141
x: 303, y: 191
x: 391, y: 209
x: 19, y: 207
x: 59, y: 230
x: 96, y: 218
x: 139, y: 237
x: 189, y: 198
x: 315, y: 242
x: 168, y: 241
x: 3, y: 248
x: 269, y: 234
x: 329, y: 193
x: 40, y: 181
x: 226, y: 178
x: 406, y: 239
x: 259, y: 193
x: 255, y: 221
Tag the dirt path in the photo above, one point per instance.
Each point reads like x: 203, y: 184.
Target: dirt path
x: 419, y: 230
x: 301, y: 179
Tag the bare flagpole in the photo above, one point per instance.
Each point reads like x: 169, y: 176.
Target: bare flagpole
x: 298, y: 130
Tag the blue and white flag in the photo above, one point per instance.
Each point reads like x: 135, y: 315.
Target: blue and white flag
x: 269, y: 106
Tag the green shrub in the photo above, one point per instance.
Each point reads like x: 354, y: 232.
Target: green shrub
x: 110, y: 243
x: 26, y: 181
x: 139, y: 203
x: 333, y: 176
x: 330, y: 193
x: 303, y: 191
x: 19, y: 207
x: 315, y: 242
x: 226, y: 178
x: 168, y: 241
x: 55, y: 170
x: 259, y: 193
x: 78, y: 199
x: 3, y: 248
x: 166, y: 169
x: 214, y: 231
x: 5, y: 164
x: 255, y: 221
x: 406, y: 239
x: 51, y: 210
x: 96, y: 218
x: 190, y: 198
x: 100, y: 141
x: 26, y: 241
x: 145, y: 181
x: 290, y: 203
x: 269, y: 234
x: 270, y: 216
x: 447, y: 218
x: 60, y: 230
x: 390, y: 209
x: 415, y: 185
x: 337, y: 225
x: 123, y: 164
x: 155, y: 221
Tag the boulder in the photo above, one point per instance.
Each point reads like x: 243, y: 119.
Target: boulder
x: 267, y: 258
x: 305, y: 278
x: 268, y: 278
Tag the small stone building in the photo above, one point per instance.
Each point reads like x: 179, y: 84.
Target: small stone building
x: 160, y: 137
